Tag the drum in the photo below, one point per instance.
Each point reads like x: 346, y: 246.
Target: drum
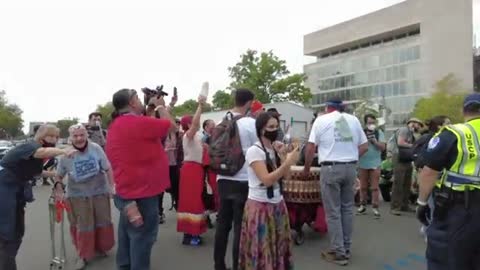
x: 299, y: 189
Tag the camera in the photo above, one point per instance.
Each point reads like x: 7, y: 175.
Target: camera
x: 149, y: 93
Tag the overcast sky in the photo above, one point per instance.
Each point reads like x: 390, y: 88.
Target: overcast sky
x: 59, y: 59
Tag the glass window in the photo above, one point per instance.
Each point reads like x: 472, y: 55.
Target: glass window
x: 403, y: 88
x: 395, y: 73
x: 396, y: 88
x: 386, y: 59
x: 389, y: 72
x: 376, y: 91
x: 402, y: 72
x: 388, y: 90
x: 396, y: 56
x: 416, y: 52
x: 404, y: 55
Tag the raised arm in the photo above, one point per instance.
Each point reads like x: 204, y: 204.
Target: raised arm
x: 196, y: 119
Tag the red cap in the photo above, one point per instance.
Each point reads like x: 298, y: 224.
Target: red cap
x: 256, y: 106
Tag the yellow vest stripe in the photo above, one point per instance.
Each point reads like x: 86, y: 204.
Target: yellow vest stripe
x: 475, y: 144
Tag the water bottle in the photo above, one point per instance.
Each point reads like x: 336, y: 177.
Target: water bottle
x: 204, y: 91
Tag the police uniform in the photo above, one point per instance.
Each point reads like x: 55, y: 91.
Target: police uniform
x: 454, y: 235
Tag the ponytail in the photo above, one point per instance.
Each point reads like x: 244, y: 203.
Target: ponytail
x: 115, y: 114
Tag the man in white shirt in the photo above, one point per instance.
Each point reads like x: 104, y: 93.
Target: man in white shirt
x: 341, y: 141
x: 233, y: 191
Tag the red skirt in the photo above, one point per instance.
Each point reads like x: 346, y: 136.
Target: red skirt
x: 191, y: 211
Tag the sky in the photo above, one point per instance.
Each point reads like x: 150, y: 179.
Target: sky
x: 59, y: 59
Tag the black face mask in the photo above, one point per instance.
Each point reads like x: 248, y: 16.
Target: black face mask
x: 47, y: 144
x: 81, y: 149
x: 271, y: 135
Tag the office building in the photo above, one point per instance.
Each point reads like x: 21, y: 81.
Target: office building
x: 393, y: 56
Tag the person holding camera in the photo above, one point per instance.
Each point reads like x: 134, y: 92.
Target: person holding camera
x: 369, y: 165
x: 137, y: 157
x: 94, y: 128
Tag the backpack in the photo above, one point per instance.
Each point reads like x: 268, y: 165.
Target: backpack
x: 418, y: 149
x: 225, y: 148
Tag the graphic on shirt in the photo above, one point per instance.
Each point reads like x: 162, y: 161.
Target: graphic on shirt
x: 433, y: 143
x: 84, y: 168
x: 342, y: 131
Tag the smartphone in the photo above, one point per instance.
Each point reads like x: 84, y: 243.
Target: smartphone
x: 175, y: 91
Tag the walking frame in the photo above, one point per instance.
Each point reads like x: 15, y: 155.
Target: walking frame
x: 56, y: 214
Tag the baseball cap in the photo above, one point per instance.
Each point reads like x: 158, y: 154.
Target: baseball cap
x: 471, y: 99
x: 256, y: 106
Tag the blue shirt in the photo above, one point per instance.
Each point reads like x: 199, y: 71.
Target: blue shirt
x: 373, y: 158
x: 86, y: 172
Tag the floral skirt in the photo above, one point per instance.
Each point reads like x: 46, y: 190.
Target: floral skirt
x: 266, y: 241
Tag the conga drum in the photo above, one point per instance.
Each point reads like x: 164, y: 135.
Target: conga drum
x: 302, y: 196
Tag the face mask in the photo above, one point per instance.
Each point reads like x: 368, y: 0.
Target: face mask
x: 81, y: 149
x: 47, y: 144
x: 271, y: 135
x: 371, y: 127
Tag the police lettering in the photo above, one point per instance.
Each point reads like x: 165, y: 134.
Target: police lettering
x: 470, y: 146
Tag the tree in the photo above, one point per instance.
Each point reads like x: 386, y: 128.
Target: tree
x: 11, y: 121
x: 64, y: 124
x: 106, y: 110
x: 442, y: 102
x: 222, y: 100
x: 268, y: 77
x: 188, y: 108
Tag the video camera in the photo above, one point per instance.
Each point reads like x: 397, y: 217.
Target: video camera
x: 149, y: 93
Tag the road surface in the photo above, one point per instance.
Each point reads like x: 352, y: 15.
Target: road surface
x: 391, y: 243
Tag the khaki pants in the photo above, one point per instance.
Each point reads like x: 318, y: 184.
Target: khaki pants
x: 402, y: 182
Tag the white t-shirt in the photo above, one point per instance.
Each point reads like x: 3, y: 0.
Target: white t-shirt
x: 337, y: 136
x: 248, y: 136
x: 256, y: 191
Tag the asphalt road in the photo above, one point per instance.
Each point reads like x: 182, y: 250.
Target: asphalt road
x: 391, y: 243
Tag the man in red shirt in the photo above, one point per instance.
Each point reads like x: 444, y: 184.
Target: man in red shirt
x: 141, y: 172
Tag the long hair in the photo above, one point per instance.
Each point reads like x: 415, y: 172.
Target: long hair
x: 435, y: 123
x: 120, y: 101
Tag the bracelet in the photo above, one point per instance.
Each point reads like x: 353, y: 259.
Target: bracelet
x: 421, y: 203
x: 55, y: 185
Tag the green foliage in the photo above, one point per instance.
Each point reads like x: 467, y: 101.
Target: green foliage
x: 11, y: 122
x: 64, y: 124
x: 442, y: 102
x: 106, y: 110
x: 222, y: 100
x: 268, y: 77
x: 188, y: 108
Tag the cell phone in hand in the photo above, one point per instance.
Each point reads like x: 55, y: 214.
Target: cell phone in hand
x: 175, y: 91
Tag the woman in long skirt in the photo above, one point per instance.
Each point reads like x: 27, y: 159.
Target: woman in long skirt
x: 265, y: 242
x: 191, y: 219
x: 89, y: 187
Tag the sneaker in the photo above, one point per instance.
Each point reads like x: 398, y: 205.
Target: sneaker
x: 348, y: 255
x: 376, y: 213
x: 196, y: 241
x: 408, y: 209
x: 161, y: 219
x: 80, y: 264
x: 395, y: 212
x: 331, y: 256
x: 362, y: 210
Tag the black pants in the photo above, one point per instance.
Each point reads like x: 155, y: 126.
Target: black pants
x: 9, y: 248
x: 160, y: 203
x: 174, y: 184
x: 233, y: 195
x: 454, y: 242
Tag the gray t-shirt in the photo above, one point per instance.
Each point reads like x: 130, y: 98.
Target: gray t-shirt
x: 85, y: 172
x: 405, y: 133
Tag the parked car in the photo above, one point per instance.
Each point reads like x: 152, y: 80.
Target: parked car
x: 5, y: 146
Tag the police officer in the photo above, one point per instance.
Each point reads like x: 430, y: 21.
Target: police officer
x: 452, y: 173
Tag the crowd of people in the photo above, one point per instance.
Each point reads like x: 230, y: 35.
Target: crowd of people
x: 235, y: 169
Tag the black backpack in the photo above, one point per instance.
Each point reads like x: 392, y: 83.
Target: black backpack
x: 419, y: 148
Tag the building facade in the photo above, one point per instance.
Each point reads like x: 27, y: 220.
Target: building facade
x: 393, y: 56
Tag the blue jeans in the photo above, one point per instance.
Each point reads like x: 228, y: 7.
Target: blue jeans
x: 135, y: 244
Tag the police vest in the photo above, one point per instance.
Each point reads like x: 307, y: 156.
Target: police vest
x: 465, y: 172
